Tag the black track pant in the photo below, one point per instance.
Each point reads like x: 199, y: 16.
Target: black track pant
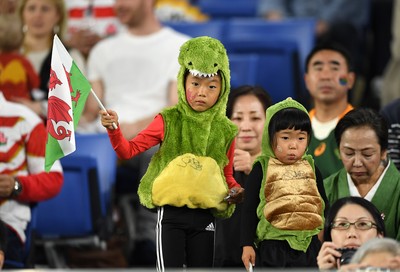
x: 185, y: 238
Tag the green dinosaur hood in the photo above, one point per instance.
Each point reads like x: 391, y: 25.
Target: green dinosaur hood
x: 287, y: 103
x: 204, y: 56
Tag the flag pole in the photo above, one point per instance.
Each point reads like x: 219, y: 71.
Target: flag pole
x: 102, y: 106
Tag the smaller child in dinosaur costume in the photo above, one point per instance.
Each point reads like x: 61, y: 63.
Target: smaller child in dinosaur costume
x: 285, y: 198
x: 191, y: 175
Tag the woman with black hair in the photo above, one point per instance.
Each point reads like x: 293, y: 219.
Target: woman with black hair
x: 351, y: 221
x: 362, y: 138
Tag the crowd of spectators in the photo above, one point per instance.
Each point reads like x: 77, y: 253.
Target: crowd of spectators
x: 130, y: 57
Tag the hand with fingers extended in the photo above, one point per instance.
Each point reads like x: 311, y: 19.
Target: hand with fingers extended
x: 108, y: 119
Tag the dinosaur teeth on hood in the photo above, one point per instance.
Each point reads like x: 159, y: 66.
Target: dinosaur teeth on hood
x: 200, y: 74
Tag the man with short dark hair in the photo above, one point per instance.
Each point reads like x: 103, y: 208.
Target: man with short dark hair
x: 328, y: 77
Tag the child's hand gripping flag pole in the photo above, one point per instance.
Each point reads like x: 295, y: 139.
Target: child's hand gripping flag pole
x: 68, y: 91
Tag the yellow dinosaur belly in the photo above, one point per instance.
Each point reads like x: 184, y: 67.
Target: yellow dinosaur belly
x: 190, y: 180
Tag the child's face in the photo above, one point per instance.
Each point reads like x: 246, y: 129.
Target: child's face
x: 290, y: 145
x: 202, y: 92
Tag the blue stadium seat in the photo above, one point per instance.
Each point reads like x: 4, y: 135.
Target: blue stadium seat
x: 213, y: 28
x: 276, y: 69
x: 224, y: 9
x: 243, y: 69
x: 74, y: 216
x: 242, y: 31
x: 98, y: 146
x: 283, y: 47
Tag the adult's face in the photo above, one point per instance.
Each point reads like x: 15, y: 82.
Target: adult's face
x: 40, y: 17
x: 130, y: 12
x: 353, y: 237
x: 249, y: 115
x: 361, y: 154
x: 328, y: 79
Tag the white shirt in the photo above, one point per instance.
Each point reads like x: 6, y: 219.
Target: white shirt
x: 136, y: 71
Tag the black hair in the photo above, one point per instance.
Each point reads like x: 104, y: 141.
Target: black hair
x: 360, y: 117
x: 259, y: 92
x: 289, y: 118
x: 333, y: 47
x: 341, y: 202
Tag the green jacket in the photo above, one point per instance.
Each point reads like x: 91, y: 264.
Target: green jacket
x: 386, y: 198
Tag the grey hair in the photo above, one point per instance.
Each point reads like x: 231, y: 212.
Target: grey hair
x: 376, y: 245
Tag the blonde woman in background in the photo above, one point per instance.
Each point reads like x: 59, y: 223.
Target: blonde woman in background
x: 41, y: 20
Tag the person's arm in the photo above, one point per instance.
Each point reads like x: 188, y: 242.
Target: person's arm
x: 249, y: 209
x: 249, y: 219
x: 321, y: 189
x: 41, y: 186
x: 147, y: 138
x: 228, y: 170
x: 38, y: 185
x: 236, y: 191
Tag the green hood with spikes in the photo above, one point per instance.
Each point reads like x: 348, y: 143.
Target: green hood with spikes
x: 198, y: 139
x: 204, y: 56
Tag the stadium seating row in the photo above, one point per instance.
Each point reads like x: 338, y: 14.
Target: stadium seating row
x: 273, y: 52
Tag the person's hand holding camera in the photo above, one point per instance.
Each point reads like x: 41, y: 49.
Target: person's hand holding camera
x: 328, y: 257
x: 331, y: 256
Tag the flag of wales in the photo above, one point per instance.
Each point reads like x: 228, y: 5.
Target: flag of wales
x: 68, y: 91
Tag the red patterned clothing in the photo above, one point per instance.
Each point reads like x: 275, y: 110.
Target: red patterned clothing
x: 22, y: 152
x: 17, y: 77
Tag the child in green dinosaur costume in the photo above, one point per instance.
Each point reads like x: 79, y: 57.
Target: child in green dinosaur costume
x: 191, y: 175
x: 284, y: 208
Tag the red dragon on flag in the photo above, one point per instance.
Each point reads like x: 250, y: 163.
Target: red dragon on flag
x: 68, y: 91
